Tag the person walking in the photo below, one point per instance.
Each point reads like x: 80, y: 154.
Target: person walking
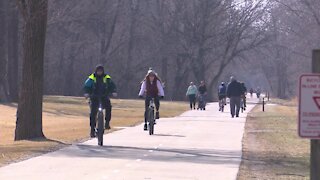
x: 251, y: 92
x: 191, y: 94
x: 234, y: 92
x: 202, y: 96
x: 244, y: 95
x: 258, y: 92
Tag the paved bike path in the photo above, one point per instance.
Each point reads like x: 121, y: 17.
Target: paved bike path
x: 196, y: 145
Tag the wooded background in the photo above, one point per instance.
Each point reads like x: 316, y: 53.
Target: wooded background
x: 264, y: 43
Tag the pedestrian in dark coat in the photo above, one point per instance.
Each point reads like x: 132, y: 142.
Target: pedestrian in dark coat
x: 234, y: 92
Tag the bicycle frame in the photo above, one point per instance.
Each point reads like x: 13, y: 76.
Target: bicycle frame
x: 100, y: 109
x: 151, y: 105
x: 151, y: 116
x: 223, y: 101
x: 99, y: 120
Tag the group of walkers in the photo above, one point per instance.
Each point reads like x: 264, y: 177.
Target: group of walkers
x: 236, y: 91
x: 257, y: 91
x: 194, y: 93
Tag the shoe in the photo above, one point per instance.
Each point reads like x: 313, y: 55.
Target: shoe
x: 92, y: 133
x: 237, y: 116
x: 107, y: 126
x: 145, y: 127
x: 157, y: 115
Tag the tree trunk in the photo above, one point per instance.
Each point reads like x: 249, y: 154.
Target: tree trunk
x: 214, y: 81
x: 106, y: 38
x: 199, y: 66
x: 3, y: 52
x: 180, y: 79
x: 29, y: 114
x: 69, y: 78
x: 13, y: 51
x: 129, y: 74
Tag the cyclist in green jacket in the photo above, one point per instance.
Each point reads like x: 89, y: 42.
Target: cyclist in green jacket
x: 99, y: 85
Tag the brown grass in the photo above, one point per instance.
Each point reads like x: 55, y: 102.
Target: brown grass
x: 285, y: 102
x: 272, y: 148
x: 65, y: 121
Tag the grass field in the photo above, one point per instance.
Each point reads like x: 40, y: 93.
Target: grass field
x: 272, y: 148
x: 65, y: 121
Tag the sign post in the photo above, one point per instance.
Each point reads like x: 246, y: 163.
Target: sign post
x: 315, y: 144
x: 309, y: 113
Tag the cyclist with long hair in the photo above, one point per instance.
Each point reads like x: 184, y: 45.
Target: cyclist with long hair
x: 151, y: 87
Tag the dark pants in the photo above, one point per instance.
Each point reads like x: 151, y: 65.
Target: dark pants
x: 94, y: 105
x: 192, y: 99
x: 244, y: 101
x: 147, y: 103
x: 235, y: 105
x: 202, y: 101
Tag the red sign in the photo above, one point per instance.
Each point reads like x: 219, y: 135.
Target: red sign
x: 317, y: 101
x: 309, y: 106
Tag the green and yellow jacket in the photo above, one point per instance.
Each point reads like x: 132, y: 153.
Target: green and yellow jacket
x: 99, y: 85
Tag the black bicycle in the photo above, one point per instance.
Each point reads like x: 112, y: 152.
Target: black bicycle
x: 151, y: 117
x: 99, y: 130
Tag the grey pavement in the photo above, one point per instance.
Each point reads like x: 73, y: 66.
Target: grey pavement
x: 196, y: 145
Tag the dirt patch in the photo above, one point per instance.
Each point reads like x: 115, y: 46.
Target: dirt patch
x: 65, y: 121
x: 271, y: 146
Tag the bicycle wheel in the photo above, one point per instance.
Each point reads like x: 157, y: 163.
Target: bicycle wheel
x: 100, y: 130
x: 151, y: 121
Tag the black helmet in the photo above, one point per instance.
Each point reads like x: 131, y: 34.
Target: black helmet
x: 99, y: 67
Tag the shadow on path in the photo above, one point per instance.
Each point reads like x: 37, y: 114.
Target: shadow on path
x: 44, y: 139
x: 198, y: 156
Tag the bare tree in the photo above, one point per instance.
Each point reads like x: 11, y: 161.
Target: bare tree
x: 29, y: 114
x: 293, y: 29
x: 183, y: 40
x: 13, y: 51
x: 3, y: 52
